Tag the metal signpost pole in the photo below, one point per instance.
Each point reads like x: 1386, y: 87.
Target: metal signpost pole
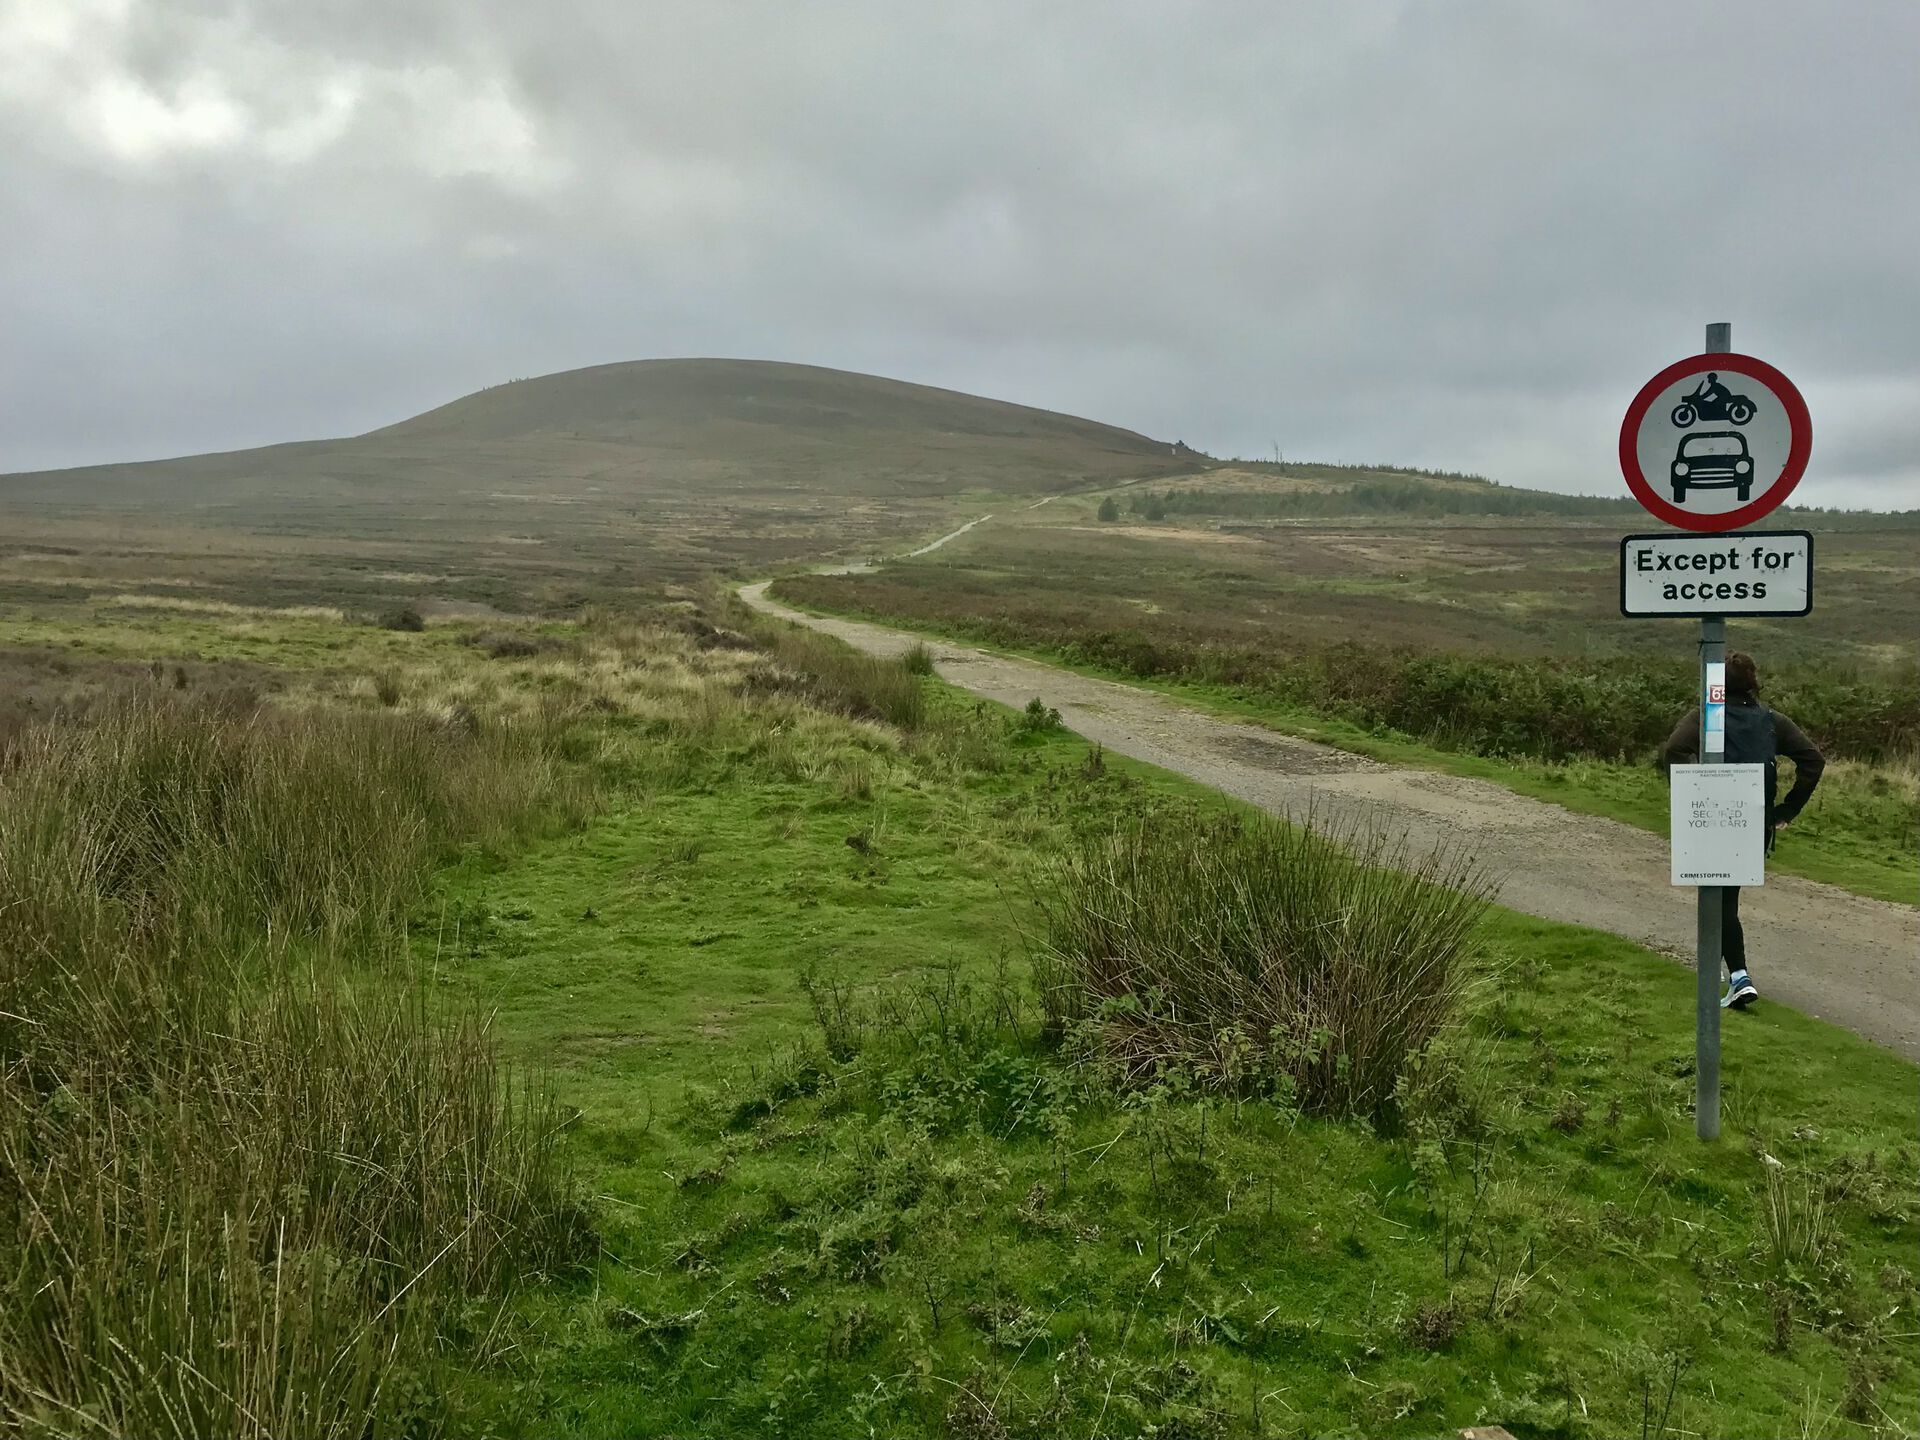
x: 1706, y: 1018
x: 1714, y: 568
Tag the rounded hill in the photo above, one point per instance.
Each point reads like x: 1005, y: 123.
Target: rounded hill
x: 645, y: 401
x: 695, y: 430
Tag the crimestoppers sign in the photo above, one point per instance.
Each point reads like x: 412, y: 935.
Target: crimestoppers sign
x: 1718, y: 821
x: 1715, y: 442
x: 1755, y: 572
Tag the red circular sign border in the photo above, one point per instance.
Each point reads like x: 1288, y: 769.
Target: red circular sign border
x: 1799, y: 448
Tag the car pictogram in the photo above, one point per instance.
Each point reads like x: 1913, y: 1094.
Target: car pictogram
x: 1712, y: 460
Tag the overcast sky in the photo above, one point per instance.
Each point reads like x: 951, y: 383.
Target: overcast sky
x: 1457, y: 235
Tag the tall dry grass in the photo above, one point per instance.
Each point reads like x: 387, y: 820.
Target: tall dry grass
x: 240, y: 1185
x: 1256, y: 953
x: 842, y: 678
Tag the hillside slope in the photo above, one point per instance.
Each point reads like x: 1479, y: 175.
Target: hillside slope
x: 644, y: 401
x: 650, y: 428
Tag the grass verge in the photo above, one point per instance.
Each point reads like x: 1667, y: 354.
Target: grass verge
x: 851, y: 1187
x: 844, y: 1177
x: 1857, y: 832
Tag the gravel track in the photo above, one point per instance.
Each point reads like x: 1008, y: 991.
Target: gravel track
x: 1847, y: 959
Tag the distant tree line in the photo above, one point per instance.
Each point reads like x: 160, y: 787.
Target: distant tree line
x: 1387, y: 495
x: 1312, y: 467
x: 1393, y: 495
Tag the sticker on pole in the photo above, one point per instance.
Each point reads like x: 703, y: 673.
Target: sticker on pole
x: 1718, y: 821
x: 1755, y: 572
x: 1715, y: 442
x: 1713, y: 719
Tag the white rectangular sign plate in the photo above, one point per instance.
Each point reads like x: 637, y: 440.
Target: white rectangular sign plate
x: 1753, y: 572
x: 1718, y: 821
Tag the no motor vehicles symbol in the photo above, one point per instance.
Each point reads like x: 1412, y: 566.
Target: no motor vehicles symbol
x: 1715, y: 442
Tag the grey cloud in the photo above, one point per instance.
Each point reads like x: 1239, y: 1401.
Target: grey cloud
x: 1450, y: 235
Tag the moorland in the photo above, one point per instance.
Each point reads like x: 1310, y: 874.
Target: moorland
x: 461, y: 972
x: 1438, y: 621
x: 544, y: 494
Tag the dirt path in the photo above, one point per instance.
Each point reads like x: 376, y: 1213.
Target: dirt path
x: 1820, y: 949
x: 929, y: 548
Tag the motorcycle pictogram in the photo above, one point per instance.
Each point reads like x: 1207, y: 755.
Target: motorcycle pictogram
x: 1711, y: 400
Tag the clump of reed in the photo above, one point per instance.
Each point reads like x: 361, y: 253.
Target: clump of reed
x: 1255, y: 954
x: 843, y: 679
x: 242, y: 1187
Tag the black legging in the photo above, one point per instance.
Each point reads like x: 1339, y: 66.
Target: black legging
x: 1733, y: 939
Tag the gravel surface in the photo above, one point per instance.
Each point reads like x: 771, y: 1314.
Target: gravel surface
x: 1820, y: 949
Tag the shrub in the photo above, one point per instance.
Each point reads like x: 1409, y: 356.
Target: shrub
x: 1039, y: 718
x: 511, y: 644
x: 407, y: 617
x: 1434, y: 1324
x: 1109, y: 510
x: 1258, y: 954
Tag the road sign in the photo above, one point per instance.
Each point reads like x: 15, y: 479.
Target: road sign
x: 1718, y: 823
x: 1754, y: 572
x: 1715, y: 442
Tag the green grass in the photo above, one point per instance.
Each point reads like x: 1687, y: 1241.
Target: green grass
x: 840, y: 854
x: 1856, y: 833
x: 105, y: 630
x: 944, y: 1231
x: 842, y: 1182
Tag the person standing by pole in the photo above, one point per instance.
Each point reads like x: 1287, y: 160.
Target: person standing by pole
x: 1755, y: 735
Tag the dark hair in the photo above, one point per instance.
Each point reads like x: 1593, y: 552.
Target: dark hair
x: 1743, y: 676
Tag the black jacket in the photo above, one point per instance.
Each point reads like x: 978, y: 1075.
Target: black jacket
x: 1683, y: 748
